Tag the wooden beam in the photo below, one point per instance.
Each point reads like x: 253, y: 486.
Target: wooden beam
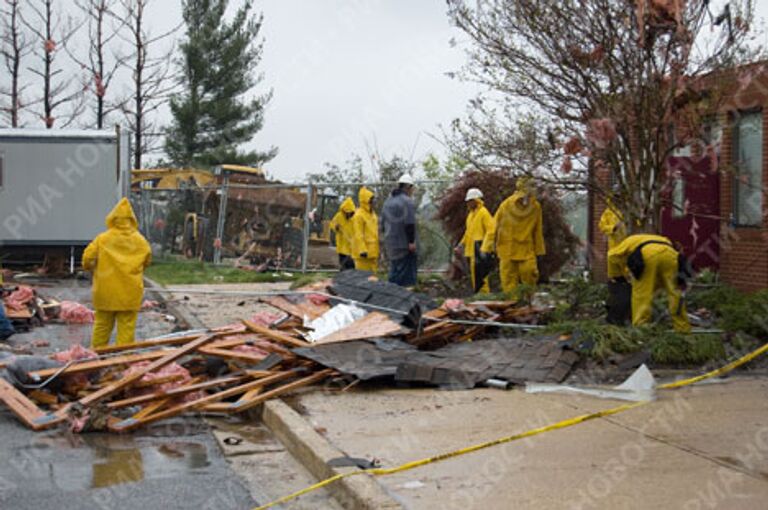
x: 176, y: 392
x: 240, y: 406
x: 129, y: 380
x: 229, y: 354
x: 276, y: 336
x: 131, y: 424
x: 24, y: 409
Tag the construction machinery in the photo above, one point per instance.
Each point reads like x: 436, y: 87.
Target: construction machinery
x: 262, y: 222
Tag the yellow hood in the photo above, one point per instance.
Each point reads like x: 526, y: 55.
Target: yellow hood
x: 122, y: 211
x: 347, y: 206
x: 364, y: 197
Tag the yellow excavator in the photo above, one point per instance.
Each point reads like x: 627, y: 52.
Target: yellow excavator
x: 260, y: 221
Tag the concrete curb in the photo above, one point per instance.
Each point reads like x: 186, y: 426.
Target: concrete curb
x: 191, y: 320
x: 360, y: 492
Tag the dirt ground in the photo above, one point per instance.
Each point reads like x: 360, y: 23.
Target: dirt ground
x: 694, y: 448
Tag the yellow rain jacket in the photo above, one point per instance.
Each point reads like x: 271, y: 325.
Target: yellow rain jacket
x: 660, y: 273
x: 479, y: 226
x: 366, y: 227
x: 612, y: 225
x: 519, y: 233
x: 117, y: 259
x: 343, y: 226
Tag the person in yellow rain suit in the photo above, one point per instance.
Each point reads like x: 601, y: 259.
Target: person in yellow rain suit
x: 660, y: 270
x: 342, y: 225
x: 518, y: 236
x: 365, y: 244
x: 117, y: 258
x: 479, y: 225
x: 612, y: 225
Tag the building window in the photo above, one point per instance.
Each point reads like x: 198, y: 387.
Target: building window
x: 748, y: 165
x: 678, y: 197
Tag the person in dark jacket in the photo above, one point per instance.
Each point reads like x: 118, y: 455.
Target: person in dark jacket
x: 398, y: 226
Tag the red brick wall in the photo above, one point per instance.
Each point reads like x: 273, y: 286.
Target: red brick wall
x: 743, y: 251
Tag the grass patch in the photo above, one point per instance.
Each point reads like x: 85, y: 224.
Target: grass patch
x: 666, y: 347
x: 178, y: 272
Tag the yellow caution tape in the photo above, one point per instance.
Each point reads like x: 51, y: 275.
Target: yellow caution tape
x: 522, y: 435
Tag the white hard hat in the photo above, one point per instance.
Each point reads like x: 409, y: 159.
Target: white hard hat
x: 405, y: 179
x: 473, y: 193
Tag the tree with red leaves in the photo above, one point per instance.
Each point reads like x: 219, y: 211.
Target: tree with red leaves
x: 579, y: 88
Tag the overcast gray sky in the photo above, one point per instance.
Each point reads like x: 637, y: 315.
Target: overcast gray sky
x: 351, y: 76
x: 354, y: 76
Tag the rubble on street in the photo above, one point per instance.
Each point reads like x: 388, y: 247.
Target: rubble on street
x: 394, y: 335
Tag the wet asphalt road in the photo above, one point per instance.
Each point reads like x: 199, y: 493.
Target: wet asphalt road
x: 174, y: 464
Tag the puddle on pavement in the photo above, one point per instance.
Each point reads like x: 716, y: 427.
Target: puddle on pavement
x: 104, y: 460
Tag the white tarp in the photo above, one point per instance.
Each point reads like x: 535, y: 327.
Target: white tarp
x: 639, y: 387
x: 338, y: 317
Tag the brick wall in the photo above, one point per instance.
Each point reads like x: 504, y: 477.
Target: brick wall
x: 743, y: 250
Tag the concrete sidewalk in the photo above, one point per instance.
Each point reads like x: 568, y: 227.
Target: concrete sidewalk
x: 699, y: 447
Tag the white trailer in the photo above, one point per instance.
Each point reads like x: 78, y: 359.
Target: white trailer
x: 56, y: 186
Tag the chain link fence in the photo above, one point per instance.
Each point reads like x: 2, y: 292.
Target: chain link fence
x: 272, y: 227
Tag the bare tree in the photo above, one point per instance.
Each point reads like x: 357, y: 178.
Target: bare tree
x: 593, y: 87
x: 99, y: 64
x: 151, y: 80
x: 52, y: 33
x: 14, y: 46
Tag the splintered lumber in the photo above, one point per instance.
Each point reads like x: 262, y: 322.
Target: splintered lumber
x: 372, y: 325
x: 277, y: 336
x: 130, y: 379
x: 244, y: 405
x: 24, y: 409
x: 96, y: 364
x: 219, y: 407
x: 176, y: 392
x: 146, y: 344
x: 305, y: 308
x: 228, y: 354
x: 130, y: 423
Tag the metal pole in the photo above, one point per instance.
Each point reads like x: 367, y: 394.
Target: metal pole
x: 220, y: 220
x: 305, y: 237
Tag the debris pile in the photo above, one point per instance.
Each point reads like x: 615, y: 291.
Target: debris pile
x: 353, y: 327
x: 26, y: 308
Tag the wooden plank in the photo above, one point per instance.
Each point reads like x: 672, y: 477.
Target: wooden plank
x: 43, y: 397
x: 129, y: 380
x: 372, y: 325
x: 150, y: 408
x: 300, y: 310
x: 160, y: 380
x: 88, y: 365
x: 240, y: 406
x: 158, y: 342
x: 24, y: 409
x: 276, y: 336
x: 144, y: 344
x: 131, y: 424
x: 229, y: 354
x: 222, y: 407
x: 176, y: 392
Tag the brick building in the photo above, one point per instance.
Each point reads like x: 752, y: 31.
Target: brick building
x: 721, y: 213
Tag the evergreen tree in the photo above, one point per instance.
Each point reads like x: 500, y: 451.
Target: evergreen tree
x: 214, y: 114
